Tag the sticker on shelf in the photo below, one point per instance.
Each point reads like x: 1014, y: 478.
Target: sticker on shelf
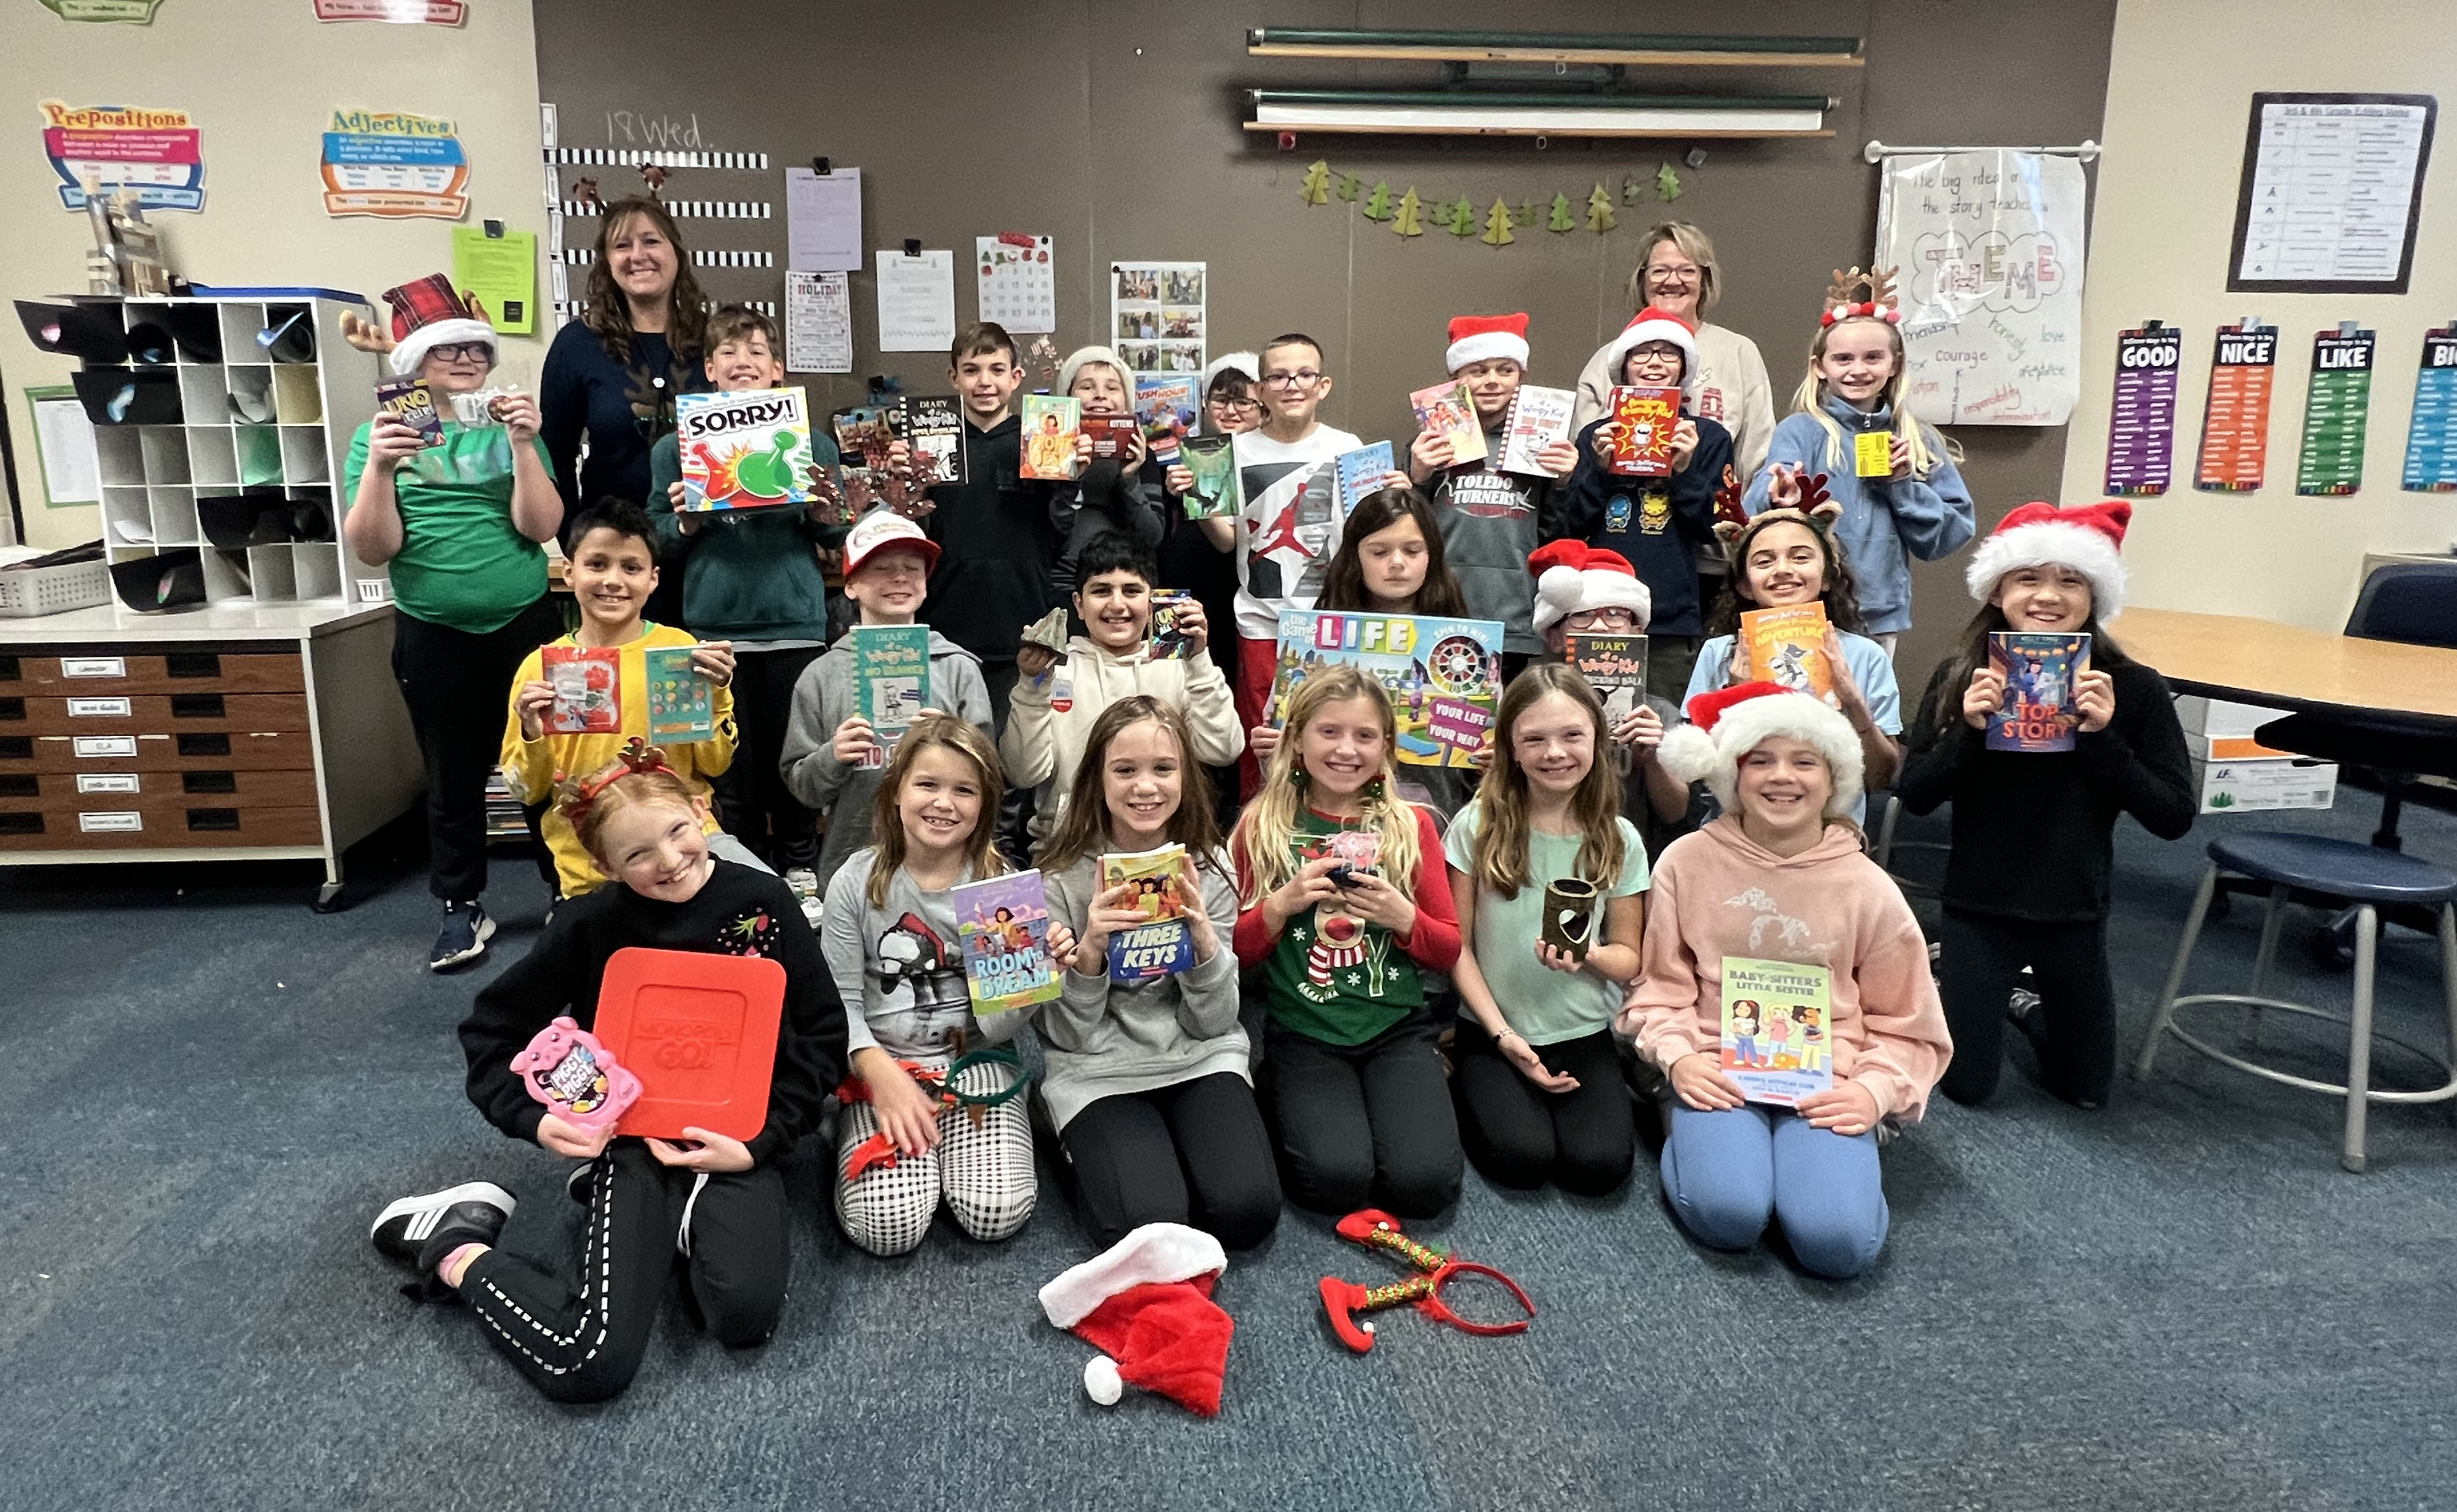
x: 93, y: 666
x: 107, y: 783
x: 98, y: 708
x: 103, y: 747
x: 122, y: 823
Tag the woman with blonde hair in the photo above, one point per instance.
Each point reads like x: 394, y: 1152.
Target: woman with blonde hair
x: 1677, y: 274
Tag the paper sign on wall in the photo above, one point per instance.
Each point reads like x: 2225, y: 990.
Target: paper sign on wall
x: 1988, y: 249
x: 916, y: 301
x: 1019, y: 284
x: 140, y: 13
x: 406, y: 12
x: 1156, y: 315
x: 818, y: 323
x: 160, y: 152
x: 823, y: 220
x: 2235, y: 427
x: 393, y: 164
x: 2337, y: 411
x: 2431, y: 435
x: 501, y: 273
x: 2141, y: 425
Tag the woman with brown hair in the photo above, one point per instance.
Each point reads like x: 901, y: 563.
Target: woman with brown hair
x: 1677, y: 274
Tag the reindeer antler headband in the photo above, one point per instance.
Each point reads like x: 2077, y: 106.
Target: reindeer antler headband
x: 1882, y: 303
x: 637, y: 758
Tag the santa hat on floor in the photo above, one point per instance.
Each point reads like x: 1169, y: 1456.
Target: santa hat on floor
x: 1085, y: 356
x: 1485, y: 338
x: 1147, y: 1305
x: 1728, y: 724
x: 1655, y: 325
x: 2087, y: 538
x: 431, y: 313
x: 1571, y: 576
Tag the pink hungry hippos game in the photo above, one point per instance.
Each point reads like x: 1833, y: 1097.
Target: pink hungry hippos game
x: 565, y: 1067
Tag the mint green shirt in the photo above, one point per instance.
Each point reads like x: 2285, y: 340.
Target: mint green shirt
x: 461, y: 563
x: 1544, y: 1004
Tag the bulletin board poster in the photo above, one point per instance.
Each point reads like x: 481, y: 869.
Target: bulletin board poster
x: 2336, y: 412
x: 2431, y: 435
x: 2142, y: 426
x: 1156, y: 315
x: 157, y: 153
x: 2331, y: 192
x: 1016, y: 282
x: 393, y: 165
x: 1988, y: 248
x: 404, y: 13
x: 2235, y: 427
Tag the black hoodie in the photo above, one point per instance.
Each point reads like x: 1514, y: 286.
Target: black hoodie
x: 997, y: 547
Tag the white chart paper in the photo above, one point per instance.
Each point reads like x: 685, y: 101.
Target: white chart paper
x: 823, y: 220
x: 916, y: 301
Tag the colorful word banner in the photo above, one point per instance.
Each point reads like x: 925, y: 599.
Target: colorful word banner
x: 393, y: 164
x: 406, y: 12
x: 2141, y: 427
x: 2337, y: 411
x: 2235, y: 427
x: 136, y: 13
x: 157, y: 153
x: 2431, y: 436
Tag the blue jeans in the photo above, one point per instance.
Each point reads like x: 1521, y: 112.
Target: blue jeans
x: 1726, y: 1172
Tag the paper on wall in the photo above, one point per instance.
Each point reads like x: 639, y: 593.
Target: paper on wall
x: 71, y: 469
x: 916, y: 301
x: 823, y: 220
x: 501, y: 271
x: 1019, y: 284
x: 1157, y: 315
x: 818, y: 323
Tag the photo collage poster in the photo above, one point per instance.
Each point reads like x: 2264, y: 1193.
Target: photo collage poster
x: 1157, y: 319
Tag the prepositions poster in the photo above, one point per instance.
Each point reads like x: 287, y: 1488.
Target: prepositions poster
x: 1018, y: 282
x: 2336, y: 412
x: 2141, y: 425
x: 393, y: 164
x: 819, y: 322
x: 1157, y: 315
x: 2331, y: 192
x: 159, y: 152
x: 2235, y: 426
x: 2431, y: 435
x: 1988, y: 251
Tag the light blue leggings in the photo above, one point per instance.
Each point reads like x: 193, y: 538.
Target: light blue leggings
x: 1725, y: 1171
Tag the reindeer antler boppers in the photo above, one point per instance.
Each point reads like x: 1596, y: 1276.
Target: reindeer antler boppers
x: 1843, y: 301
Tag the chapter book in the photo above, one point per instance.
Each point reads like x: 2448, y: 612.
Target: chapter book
x: 931, y: 428
x: 891, y: 675
x: 1213, y: 462
x: 587, y: 684
x: 744, y: 450
x: 1360, y: 473
x: 1639, y: 440
x: 1004, y: 925
x: 1113, y: 436
x: 1444, y: 675
x: 1446, y: 410
x: 1165, y: 403
x: 864, y: 432
x: 1614, y: 666
x: 1539, y: 417
x: 409, y: 401
x: 2040, y: 670
x: 682, y: 702
x: 1051, y: 423
x: 1162, y: 944
x: 1787, y: 645
x: 1774, y: 1041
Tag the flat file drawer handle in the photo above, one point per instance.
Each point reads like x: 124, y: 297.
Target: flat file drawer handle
x: 196, y: 705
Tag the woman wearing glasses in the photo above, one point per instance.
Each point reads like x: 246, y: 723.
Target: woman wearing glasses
x: 1677, y: 274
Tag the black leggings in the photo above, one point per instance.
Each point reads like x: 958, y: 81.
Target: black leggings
x: 1365, y: 1124
x: 459, y: 690
x: 752, y: 799
x: 1520, y: 1135
x: 1195, y: 1153
x: 2076, y: 1036
x: 584, y: 1344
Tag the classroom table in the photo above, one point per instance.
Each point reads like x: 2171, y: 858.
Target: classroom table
x: 2288, y: 666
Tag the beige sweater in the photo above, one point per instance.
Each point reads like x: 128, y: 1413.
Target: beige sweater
x: 1732, y: 389
x: 1042, y: 745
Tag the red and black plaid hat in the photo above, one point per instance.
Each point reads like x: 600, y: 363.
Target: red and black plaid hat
x: 432, y: 312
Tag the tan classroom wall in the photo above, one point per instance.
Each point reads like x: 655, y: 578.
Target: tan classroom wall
x: 261, y: 78
x: 2179, y: 94
x: 1115, y: 128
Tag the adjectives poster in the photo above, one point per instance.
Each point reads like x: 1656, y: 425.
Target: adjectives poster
x: 159, y: 152
x: 395, y: 165
x: 2235, y: 427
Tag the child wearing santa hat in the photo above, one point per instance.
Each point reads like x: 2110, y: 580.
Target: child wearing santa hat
x: 1580, y: 590
x: 1658, y: 524
x: 1109, y: 497
x: 1780, y: 876
x: 2026, y: 882
x: 1489, y: 516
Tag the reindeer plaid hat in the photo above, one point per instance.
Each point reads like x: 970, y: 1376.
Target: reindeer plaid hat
x: 431, y: 313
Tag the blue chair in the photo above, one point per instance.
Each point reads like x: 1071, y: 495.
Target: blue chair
x: 2331, y: 873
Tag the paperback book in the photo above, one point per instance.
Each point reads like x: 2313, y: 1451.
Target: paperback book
x: 1360, y: 473
x: 1774, y: 1040
x: 1638, y: 443
x: 890, y: 681
x: 1212, y: 459
x: 1614, y: 667
x: 1113, y: 436
x: 1004, y: 925
x: 1162, y: 944
x: 682, y: 702
x: 864, y: 432
x: 587, y: 686
x: 931, y: 428
x: 1787, y: 645
x: 1539, y: 417
x: 2040, y: 671
x: 1446, y: 410
x: 745, y: 450
x: 1051, y: 424
x: 1443, y: 675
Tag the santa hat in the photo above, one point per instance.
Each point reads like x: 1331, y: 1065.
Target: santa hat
x: 1085, y: 356
x: 885, y: 527
x: 1485, y: 338
x: 1245, y: 363
x: 1571, y: 576
x: 1655, y: 325
x: 1728, y: 724
x: 431, y: 313
x: 2087, y: 538
x: 1147, y: 1305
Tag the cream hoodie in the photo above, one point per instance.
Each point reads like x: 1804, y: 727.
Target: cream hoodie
x: 1717, y: 894
x: 1043, y: 744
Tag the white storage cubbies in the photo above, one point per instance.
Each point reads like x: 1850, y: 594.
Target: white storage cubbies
x: 252, y: 417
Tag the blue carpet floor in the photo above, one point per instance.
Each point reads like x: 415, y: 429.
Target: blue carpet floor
x: 2180, y: 1302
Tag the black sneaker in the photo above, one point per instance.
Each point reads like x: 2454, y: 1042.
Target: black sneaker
x: 464, y: 937
x: 472, y: 1213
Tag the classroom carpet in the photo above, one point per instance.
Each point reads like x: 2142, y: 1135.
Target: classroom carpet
x: 2180, y: 1302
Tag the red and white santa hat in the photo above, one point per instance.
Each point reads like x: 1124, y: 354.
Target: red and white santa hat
x: 2087, y: 538
x: 1147, y: 1305
x: 431, y: 313
x: 1655, y: 325
x: 1483, y: 337
x: 1729, y: 722
x: 1571, y: 576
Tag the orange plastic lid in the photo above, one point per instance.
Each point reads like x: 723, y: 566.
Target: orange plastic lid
x: 699, y: 1031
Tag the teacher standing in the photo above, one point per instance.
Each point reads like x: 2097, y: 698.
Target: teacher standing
x: 1676, y: 274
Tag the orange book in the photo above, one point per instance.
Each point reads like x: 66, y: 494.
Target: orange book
x: 1640, y: 432
x: 1787, y: 645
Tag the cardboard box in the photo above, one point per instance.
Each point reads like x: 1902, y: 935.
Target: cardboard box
x: 2264, y: 784
x: 2216, y: 718
x: 2232, y: 747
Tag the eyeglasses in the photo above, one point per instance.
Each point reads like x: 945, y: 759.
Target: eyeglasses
x: 1609, y: 619
x: 1304, y: 378
x: 1235, y: 406
x: 455, y: 351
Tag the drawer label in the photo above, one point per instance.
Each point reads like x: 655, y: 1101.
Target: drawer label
x: 99, y: 708
x: 107, y: 783
x: 103, y: 824
x: 92, y: 748
x: 93, y: 666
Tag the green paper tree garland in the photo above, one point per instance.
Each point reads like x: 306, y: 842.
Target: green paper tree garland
x: 1409, y: 212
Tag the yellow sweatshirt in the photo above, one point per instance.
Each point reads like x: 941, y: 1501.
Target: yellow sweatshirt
x: 531, y: 767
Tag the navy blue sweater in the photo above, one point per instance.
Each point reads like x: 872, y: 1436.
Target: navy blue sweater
x: 1655, y: 522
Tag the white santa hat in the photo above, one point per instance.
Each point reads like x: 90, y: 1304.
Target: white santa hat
x: 1571, y: 576
x: 2087, y: 538
x: 1655, y: 325
x: 1485, y: 338
x: 1728, y: 724
x: 1245, y: 362
x: 1146, y: 1304
x: 1083, y: 356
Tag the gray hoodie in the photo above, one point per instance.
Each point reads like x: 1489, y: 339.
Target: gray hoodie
x: 823, y: 699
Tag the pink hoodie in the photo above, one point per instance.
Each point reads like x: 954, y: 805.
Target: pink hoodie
x: 1718, y: 893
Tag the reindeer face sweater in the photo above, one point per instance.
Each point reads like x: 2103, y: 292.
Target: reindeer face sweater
x: 1719, y: 894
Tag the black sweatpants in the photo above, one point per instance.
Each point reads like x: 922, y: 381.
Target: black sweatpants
x: 1365, y: 1125
x: 579, y: 1336
x: 2075, y: 1029
x: 1195, y: 1153
x: 752, y: 799
x: 459, y: 689
x: 1520, y: 1135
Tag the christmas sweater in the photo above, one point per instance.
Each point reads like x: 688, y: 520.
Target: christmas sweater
x: 1333, y: 977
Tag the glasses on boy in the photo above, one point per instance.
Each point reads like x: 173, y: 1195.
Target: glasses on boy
x: 1611, y: 620
x: 455, y: 351
x: 1302, y: 379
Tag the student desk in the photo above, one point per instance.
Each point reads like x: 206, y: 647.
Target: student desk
x: 2289, y: 668
x: 233, y: 731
